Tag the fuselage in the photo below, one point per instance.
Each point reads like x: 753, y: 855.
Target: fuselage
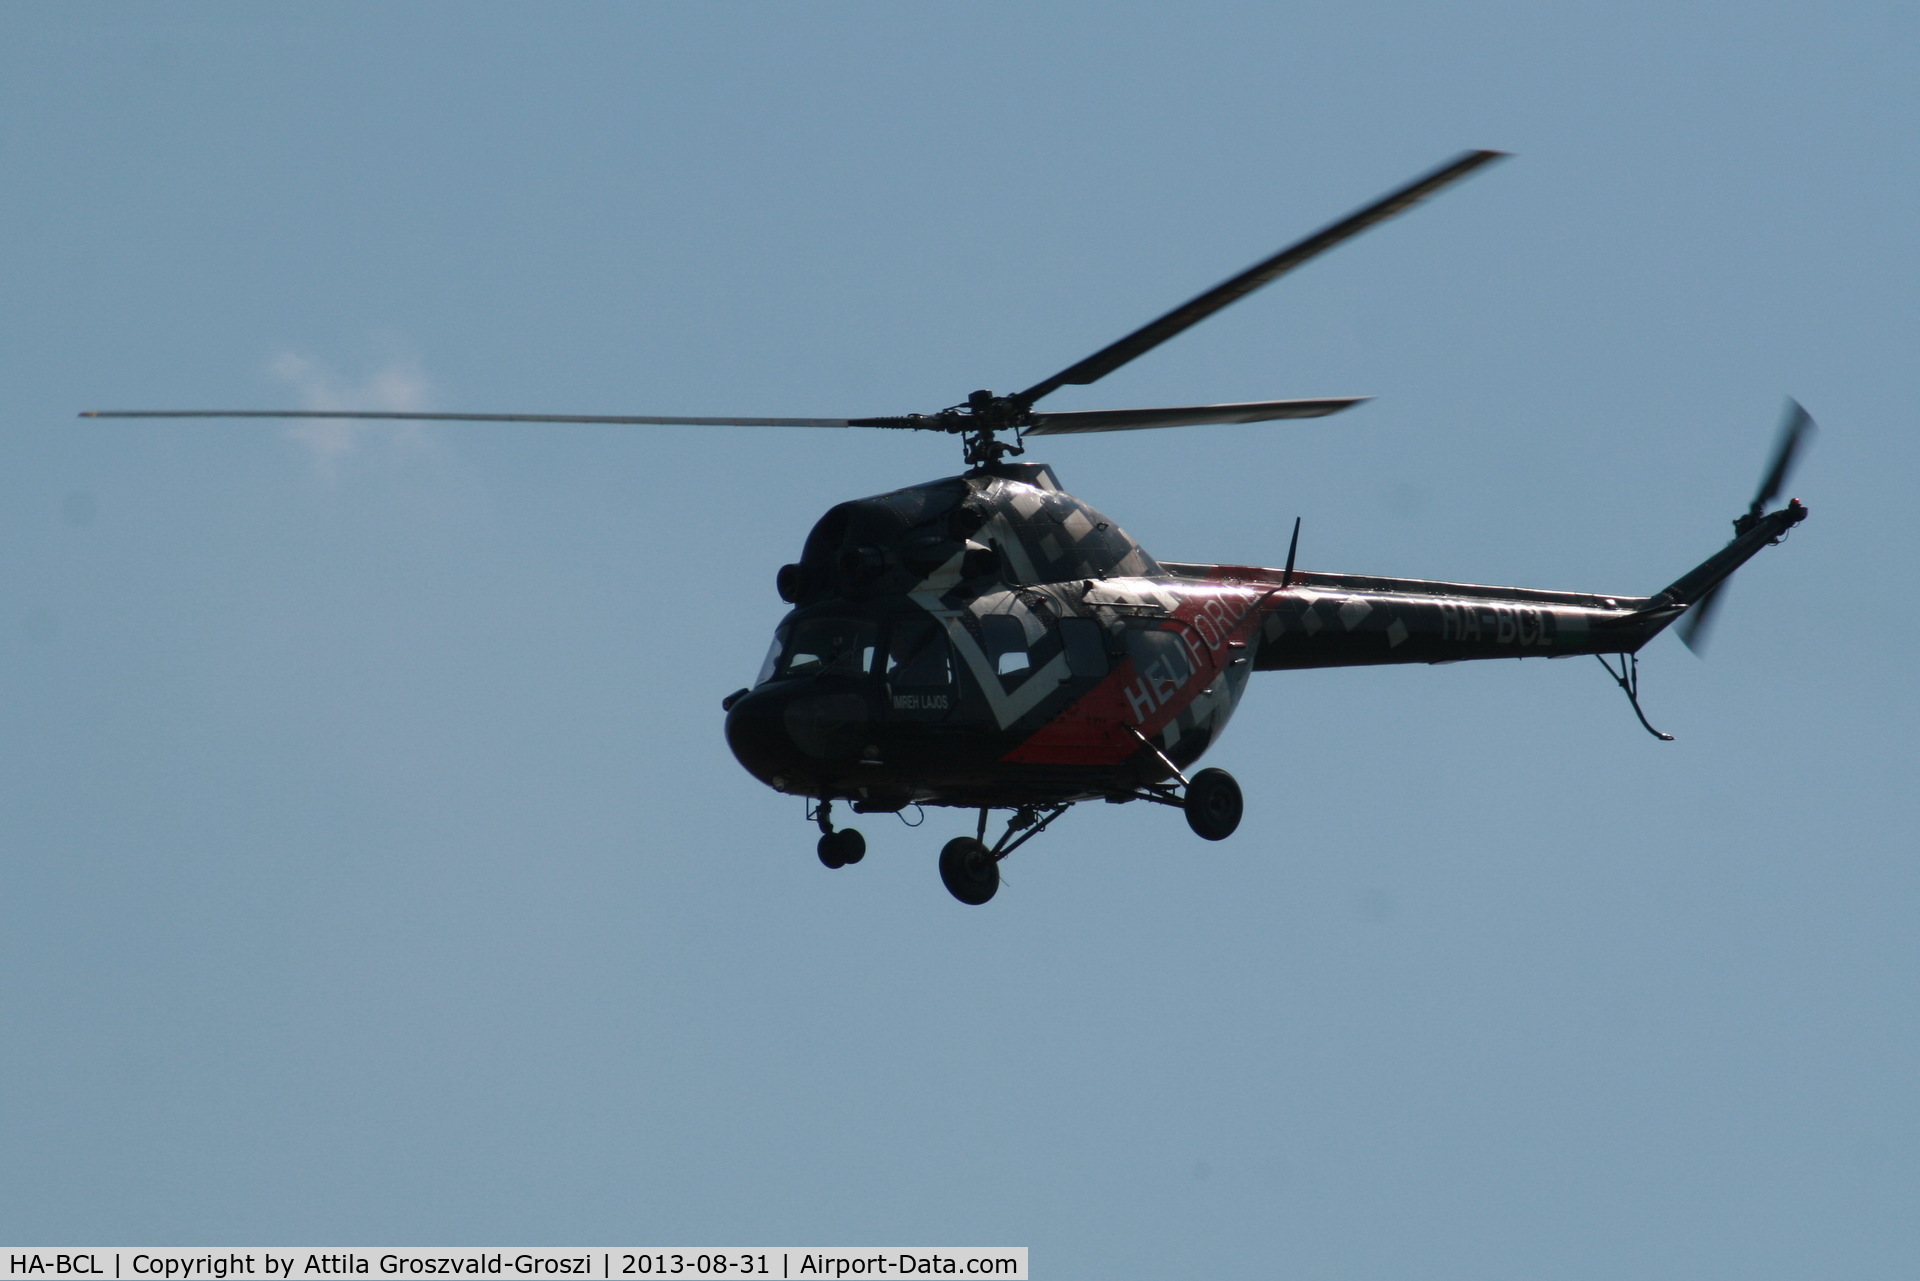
x: 990, y: 640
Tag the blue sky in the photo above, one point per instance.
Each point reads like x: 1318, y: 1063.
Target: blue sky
x: 372, y: 868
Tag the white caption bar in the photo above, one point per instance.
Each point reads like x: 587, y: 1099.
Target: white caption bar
x: 595, y: 1263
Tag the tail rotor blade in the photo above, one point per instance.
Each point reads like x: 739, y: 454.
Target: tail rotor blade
x: 1794, y: 429
x: 1694, y: 628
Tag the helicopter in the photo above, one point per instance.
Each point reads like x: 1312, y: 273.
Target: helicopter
x: 990, y: 642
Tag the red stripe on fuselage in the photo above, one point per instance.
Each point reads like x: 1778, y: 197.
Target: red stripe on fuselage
x: 1094, y: 730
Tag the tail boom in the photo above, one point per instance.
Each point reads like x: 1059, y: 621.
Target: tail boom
x: 1310, y: 619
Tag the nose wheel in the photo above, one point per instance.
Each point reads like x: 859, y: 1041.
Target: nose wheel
x: 837, y: 849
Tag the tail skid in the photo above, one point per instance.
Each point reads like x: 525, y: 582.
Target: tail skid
x: 1691, y: 597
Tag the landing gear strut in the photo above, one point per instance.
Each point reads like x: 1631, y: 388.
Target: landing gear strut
x: 837, y: 849
x: 1211, y: 798
x: 970, y: 868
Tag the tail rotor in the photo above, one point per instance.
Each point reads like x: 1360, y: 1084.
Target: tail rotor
x: 1795, y: 428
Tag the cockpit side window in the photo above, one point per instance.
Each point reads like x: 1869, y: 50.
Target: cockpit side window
x: 831, y: 647
x: 1085, y: 643
x: 1005, y: 641
x: 917, y: 655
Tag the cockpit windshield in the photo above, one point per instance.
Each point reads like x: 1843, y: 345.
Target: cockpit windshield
x: 830, y: 647
x: 772, y: 663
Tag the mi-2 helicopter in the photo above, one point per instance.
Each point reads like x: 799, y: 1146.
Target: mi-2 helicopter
x: 990, y: 642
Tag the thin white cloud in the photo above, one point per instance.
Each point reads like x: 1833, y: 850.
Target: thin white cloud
x: 398, y: 385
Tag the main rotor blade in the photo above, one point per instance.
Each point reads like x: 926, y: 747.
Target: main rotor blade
x: 1794, y: 429
x: 1257, y: 411
x: 1192, y: 312
x: 462, y: 418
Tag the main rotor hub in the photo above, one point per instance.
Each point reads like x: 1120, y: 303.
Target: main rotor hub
x: 981, y: 419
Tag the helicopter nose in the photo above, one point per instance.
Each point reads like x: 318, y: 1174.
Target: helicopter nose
x: 786, y: 734
x: 757, y: 733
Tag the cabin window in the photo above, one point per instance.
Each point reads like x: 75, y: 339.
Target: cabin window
x: 831, y: 647
x: 917, y: 654
x: 1085, y: 643
x: 1005, y: 641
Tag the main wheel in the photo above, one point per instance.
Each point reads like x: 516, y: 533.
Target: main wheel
x: 1213, y: 804
x: 829, y: 850
x: 969, y: 870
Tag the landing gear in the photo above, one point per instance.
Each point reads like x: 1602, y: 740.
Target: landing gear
x: 1211, y: 798
x: 837, y: 849
x: 969, y: 870
x: 970, y: 866
x: 1213, y: 804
